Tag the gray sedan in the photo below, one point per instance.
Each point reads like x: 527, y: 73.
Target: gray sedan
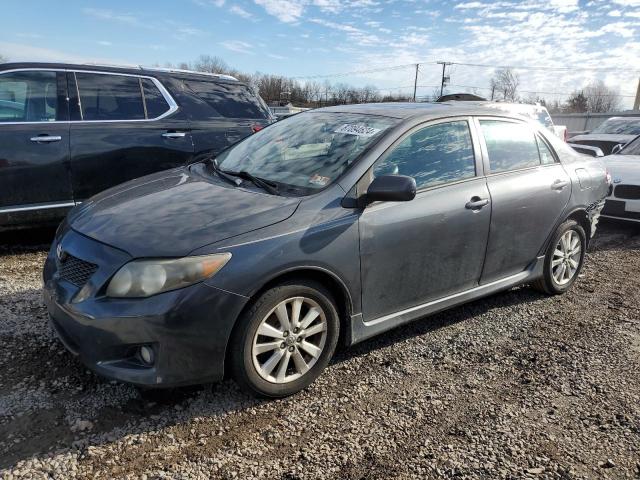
x: 333, y: 225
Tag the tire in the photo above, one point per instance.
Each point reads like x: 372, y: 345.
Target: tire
x: 262, y: 374
x: 549, y: 283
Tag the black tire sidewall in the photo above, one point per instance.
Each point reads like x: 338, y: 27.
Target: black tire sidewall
x: 242, y: 361
x: 550, y: 282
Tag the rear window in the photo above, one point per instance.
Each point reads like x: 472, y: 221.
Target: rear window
x: 110, y: 97
x: 227, y: 99
x: 619, y: 126
x: 510, y: 146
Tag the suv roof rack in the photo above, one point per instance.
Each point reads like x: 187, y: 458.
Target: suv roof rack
x: 181, y: 70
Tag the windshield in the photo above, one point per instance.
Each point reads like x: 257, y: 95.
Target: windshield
x: 620, y: 126
x: 632, y: 148
x: 307, y: 151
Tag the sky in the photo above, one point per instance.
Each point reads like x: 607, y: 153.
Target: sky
x: 361, y: 42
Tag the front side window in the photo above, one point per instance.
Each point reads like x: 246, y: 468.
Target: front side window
x: 433, y: 155
x: 228, y: 99
x: 110, y: 97
x: 510, y: 146
x: 28, y: 97
x: 306, y: 152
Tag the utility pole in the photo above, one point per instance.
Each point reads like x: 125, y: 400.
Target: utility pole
x: 444, y: 78
x: 415, y: 82
x: 636, y: 104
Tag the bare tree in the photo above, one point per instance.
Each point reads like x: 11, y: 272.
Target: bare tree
x: 601, y: 98
x: 209, y: 64
x: 3, y: 59
x: 577, y: 103
x: 504, y: 85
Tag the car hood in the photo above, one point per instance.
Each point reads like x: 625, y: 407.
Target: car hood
x: 624, y: 168
x: 603, y: 137
x: 171, y: 213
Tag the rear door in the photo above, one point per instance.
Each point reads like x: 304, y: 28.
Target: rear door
x: 223, y: 112
x: 34, y: 145
x: 529, y: 191
x: 125, y: 127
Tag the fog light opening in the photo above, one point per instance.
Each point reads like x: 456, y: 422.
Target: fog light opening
x: 146, y: 354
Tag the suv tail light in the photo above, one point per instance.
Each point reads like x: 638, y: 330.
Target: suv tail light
x: 256, y: 128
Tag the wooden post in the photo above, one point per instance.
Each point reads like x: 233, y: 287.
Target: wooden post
x: 636, y: 104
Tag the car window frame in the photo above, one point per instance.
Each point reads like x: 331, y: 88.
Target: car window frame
x: 365, y: 180
x: 173, y: 106
x: 537, y: 133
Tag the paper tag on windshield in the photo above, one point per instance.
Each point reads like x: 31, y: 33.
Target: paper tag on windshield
x: 319, y: 180
x: 357, y: 129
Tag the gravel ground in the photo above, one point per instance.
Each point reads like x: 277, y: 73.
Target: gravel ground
x: 518, y: 385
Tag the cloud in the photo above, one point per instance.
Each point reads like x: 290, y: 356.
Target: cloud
x: 241, y: 12
x: 112, y: 16
x: 30, y: 53
x: 105, y: 43
x: 238, y: 46
x: 276, y: 57
x: 287, y: 11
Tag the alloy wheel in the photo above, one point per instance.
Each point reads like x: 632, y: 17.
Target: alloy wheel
x: 289, y: 340
x: 566, y: 257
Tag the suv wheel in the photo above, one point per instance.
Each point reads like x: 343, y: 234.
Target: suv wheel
x: 564, y: 259
x: 285, y: 339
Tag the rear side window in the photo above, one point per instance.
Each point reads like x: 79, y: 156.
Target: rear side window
x: 154, y: 101
x: 546, y: 156
x: 110, y: 97
x: 433, y: 155
x: 228, y: 99
x: 510, y: 146
x: 28, y: 97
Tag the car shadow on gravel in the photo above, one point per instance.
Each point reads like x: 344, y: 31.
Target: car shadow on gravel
x: 26, y: 240
x: 616, y: 235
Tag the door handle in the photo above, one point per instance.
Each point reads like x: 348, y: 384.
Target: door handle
x: 174, y: 134
x: 559, y: 184
x: 46, y: 138
x: 476, y: 203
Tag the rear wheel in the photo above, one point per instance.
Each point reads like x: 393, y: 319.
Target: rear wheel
x: 285, y: 339
x: 564, y: 259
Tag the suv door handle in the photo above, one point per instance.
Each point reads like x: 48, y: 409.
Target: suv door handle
x: 559, y: 184
x: 46, y: 138
x: 476, y: 203
x: 174, y: 134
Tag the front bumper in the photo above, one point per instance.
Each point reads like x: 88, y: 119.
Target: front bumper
x: 628, y: 210
x: 188, y: 329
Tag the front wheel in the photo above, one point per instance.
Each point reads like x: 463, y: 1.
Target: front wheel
x: 564, y: 259
x: 285, y: 339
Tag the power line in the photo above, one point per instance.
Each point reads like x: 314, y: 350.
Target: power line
x: 548, y: 93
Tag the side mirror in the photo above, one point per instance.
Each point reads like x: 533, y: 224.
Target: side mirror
x: 391, y: 188
x: 616, y: 148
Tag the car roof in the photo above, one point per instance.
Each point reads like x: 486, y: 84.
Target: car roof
x: 128, y: 69
x: 406, y: 110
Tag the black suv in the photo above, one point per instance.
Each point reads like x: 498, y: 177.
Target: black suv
x: 68, y: 132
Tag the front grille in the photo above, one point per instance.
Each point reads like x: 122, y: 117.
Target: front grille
x: 628, y: 192
x: 76, y: 271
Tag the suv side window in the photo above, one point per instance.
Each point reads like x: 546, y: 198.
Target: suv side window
x: 228, y: 99
x: 155, y: 103
x: 510, y: 145
x: 110, y: 97
x: 28, y: 97
x: 433, y: 155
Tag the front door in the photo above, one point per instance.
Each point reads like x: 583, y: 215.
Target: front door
x: 34, y: 145
x: 433, y: 246
x: 127, y: 128
x: 529, y: 191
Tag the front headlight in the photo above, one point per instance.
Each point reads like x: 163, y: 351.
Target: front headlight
x: 143, y: 278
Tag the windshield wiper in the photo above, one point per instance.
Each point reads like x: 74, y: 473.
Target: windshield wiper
x: 222, y: 174
x: 270, y: 187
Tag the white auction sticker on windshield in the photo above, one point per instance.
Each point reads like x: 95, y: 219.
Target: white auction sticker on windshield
x: 357, y: 129
x: 317, y: 179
